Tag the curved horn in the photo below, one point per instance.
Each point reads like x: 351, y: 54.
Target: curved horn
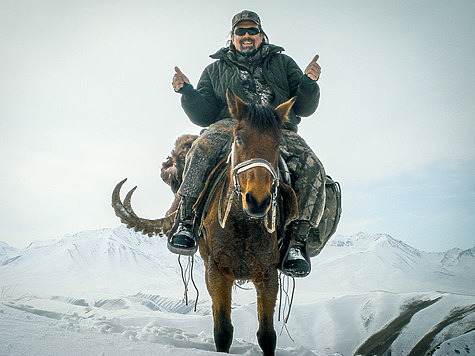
x: 127, y: 201
x: 127, y: 215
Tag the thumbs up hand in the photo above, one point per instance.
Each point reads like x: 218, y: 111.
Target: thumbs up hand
x: 179, y: 79
x: 313, y: 70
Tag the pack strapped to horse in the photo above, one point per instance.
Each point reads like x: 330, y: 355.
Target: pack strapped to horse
x: 328, y: 224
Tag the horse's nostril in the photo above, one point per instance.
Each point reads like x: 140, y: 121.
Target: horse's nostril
x: 250, y: 200
x: 266, y: 201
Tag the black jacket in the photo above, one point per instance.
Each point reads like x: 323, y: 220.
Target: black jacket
x: 207, y: 103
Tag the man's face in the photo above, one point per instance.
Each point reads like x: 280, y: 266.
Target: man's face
x: 247, y: 42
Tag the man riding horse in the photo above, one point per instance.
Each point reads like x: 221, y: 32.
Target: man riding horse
x: 259, y: 73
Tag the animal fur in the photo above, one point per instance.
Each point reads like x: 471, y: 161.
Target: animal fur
x: 173, y: 167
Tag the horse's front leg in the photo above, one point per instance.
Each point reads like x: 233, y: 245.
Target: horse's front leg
x: 266, y: 297
x: 220, y: 290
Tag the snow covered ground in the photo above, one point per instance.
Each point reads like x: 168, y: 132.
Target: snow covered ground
x: 117, y: 292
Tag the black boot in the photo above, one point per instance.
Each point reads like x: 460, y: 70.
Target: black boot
x: 183, y: 241
x: 296, y: 262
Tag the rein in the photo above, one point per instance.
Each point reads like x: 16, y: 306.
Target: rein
x: 240, y: 168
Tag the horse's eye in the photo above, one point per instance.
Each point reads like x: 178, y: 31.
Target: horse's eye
x: 238, y: 141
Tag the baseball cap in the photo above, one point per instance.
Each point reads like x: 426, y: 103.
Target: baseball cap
x: 246, y: 15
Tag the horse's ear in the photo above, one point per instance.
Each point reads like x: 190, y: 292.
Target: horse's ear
x: 237, y: 107
x: 284, y: 108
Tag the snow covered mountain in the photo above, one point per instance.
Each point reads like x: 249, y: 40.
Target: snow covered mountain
x: 367, y: 294
x: 6, y: 251
x: 108, y: 260
x: 120, y: 260
x: 363, y: 263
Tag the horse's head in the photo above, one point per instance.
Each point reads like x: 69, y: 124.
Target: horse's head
x: 255, y: 152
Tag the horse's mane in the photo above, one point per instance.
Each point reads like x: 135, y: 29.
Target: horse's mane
x: 263, y: 117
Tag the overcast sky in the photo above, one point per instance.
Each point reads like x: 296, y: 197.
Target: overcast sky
x: 86, y: 100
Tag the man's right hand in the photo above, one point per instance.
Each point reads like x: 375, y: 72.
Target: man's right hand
x: 179, y: 79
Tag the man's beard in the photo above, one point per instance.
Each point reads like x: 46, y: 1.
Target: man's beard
x: 247, y: 48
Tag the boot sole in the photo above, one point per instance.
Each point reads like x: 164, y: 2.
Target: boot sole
x: 182, y: 250
x: 295, y: 275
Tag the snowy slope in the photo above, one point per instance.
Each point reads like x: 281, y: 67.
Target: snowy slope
x: 122, y: 261
x: 124, y: 291
x: 363, y: 263
x: 104, y: 261
x: 6, y: 252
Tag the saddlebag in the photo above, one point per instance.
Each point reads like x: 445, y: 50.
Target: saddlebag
x: 320, y: 235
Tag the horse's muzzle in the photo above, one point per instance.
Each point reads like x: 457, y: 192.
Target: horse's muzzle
x: 254, y: 208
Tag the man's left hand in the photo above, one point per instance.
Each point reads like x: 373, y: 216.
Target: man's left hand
x: 313, y: 70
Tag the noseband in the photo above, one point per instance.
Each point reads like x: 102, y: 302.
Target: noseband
x: 242, y: 167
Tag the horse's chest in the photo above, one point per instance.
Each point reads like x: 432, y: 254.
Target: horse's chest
x: 248, y: 254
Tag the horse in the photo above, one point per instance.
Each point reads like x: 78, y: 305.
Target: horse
x: 244, y: 222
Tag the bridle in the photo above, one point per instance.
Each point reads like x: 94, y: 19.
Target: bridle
x: 245, y: 166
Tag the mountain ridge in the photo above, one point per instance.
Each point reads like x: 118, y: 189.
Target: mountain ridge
x: 119, y: 258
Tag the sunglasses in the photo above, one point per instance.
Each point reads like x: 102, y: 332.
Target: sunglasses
x: 252, y: 31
